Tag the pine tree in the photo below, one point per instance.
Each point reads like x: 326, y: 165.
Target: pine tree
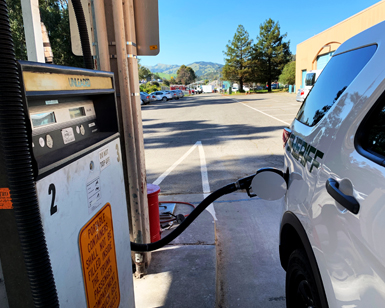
x: 238, y: 52
x: 270, y: 52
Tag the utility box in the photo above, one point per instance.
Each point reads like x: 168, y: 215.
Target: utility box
x: 79, y: 180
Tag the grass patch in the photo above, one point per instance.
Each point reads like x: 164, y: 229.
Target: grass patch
x: 166, y: 76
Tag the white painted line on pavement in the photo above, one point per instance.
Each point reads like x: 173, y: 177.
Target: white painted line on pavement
x: 265, y: 114
x: 204, y: 174
x: 205, y: 179
x: 168, y: 171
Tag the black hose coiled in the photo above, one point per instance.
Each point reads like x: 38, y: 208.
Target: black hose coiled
x: 189, y: 219
x: 18, y: 163
x: 84, y: 39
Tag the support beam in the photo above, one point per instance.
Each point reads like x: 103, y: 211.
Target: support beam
x: 142, y: 212
x: 32, y: 30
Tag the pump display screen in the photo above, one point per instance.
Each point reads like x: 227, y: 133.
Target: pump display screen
x: 77, y: 112
x: 44, y: 118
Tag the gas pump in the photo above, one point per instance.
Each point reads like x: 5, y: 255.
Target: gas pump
x: 79, y: 183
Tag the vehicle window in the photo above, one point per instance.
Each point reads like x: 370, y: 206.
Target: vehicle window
x: 335, y: 78
x: 310, y: 79
x: 371, y: 134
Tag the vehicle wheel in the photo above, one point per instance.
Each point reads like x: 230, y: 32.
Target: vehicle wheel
x: 301, y: 289
x: 164, y: 99
x: 141, y: 102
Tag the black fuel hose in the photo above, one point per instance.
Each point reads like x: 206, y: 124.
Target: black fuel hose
x: 240, y: 184
x: 83, y: 32
x: 16, y: 156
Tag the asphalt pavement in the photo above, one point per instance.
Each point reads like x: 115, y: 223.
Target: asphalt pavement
x: 229, y: 256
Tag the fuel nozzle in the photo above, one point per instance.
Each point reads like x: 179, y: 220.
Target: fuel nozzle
x: 245, y: 183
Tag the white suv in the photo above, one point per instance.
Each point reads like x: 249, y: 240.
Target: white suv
x: 332, y: 235
x: 310, y: 79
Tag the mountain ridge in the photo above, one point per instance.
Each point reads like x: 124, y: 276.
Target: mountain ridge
x: 200, y: 67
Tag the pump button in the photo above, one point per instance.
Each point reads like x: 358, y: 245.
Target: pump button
x: 49, y: 141
x: 82, y: 130
x: 41, y: 142
x: 77, y: 129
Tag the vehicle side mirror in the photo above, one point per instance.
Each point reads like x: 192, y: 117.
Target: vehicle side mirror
x: 269, y: 184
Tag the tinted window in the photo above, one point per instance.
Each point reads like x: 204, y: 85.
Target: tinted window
x: 310, y: 79
x: 335, y: 78
x: 371, y: 136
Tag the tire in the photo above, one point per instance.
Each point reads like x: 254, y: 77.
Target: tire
x: 301, y: 289
x: 164, y: 99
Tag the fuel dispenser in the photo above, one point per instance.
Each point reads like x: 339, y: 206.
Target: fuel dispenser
x: 80, y: 188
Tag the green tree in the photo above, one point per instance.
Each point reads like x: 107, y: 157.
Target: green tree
x: 54, y: 14
x: 149, y: 87
x: 185, y: 75
x: 144, y: 72
x: 238, y: 54
x: 270, y: 52
x: 17, y: 29
x: 166, y: 82
x: 288, y: 74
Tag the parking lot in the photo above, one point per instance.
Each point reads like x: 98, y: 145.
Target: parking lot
x: 195, y: 146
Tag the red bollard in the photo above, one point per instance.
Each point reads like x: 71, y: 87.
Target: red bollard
x: 153, y: 211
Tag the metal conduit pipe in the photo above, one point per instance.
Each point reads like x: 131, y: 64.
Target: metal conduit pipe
x: 101, y: 35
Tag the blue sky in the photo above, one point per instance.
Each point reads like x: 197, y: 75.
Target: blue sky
x: 199, y: 30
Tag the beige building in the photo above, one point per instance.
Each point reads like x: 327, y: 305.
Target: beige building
x: 316, y: 51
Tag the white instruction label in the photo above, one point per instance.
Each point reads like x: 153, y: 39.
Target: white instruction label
x: 68, y: 135
x: 94, y: 194
x: 104, y: 158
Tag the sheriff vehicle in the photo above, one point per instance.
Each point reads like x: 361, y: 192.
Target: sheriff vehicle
x: 333, y: 224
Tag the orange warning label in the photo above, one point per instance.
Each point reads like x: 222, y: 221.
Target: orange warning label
x: 100, y: 271
x: 5, y: 199
x: 153, y: 47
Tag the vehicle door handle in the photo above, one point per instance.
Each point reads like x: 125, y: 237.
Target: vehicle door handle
x: 348, y: 202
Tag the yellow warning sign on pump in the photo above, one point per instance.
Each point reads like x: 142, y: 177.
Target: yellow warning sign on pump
x: 100, y: 271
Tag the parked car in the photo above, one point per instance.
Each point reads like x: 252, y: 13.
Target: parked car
x: 173, y: 94
x: 145, y: 98
x: 162, y: 96
x: 273, y: 86
x: 333, y: 224
x: 181, y: 94
x: 310, y: 79
x: 178, y: 93
x: 153, y: 98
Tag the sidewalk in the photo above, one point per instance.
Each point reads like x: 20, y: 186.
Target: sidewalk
x: 233, y: 262
x: 182, y: 274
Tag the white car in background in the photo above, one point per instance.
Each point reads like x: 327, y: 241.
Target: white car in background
x: 178, y: 93
x: 333, y: 224
x: 162, y: 96
x: 310, y: 79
